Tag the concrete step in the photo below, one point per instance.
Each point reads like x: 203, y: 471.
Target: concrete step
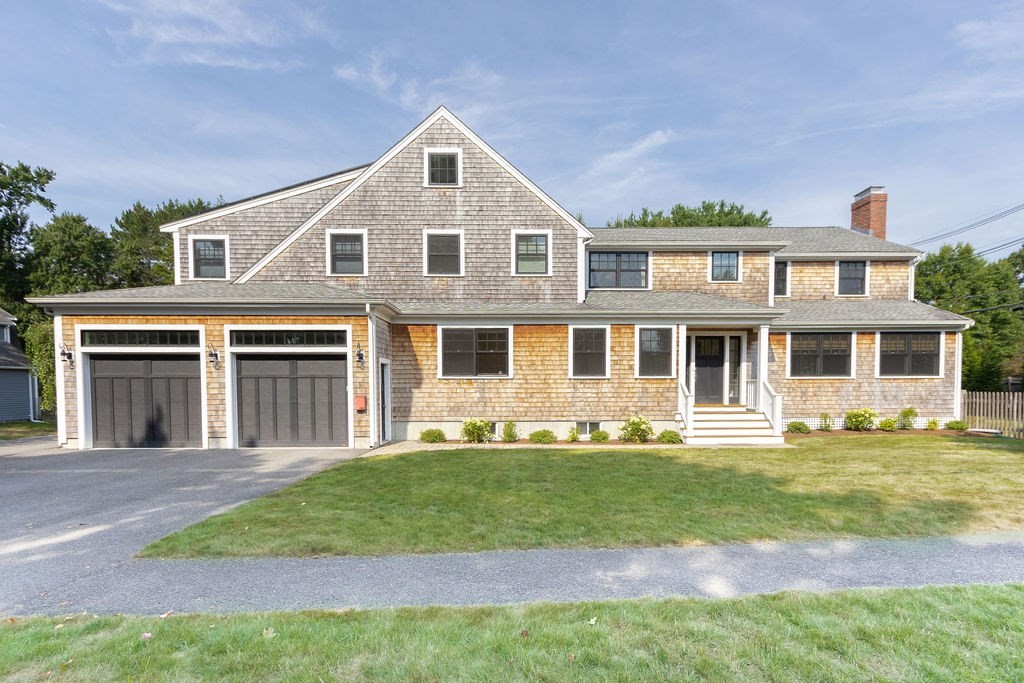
x: 766, y: 430
x: 732, y: 417
x: 700, y: 440
x: 719, y: 409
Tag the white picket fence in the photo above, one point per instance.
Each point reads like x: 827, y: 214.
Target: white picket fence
x: 1000, y: 410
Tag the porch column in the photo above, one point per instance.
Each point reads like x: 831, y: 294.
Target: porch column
x: 762, y: 362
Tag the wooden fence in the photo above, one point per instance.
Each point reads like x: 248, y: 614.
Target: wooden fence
x: 995, y: 410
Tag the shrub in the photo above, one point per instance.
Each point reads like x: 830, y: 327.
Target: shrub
x: 476, y: 430
x: 574, y: 435
x: 543, y: 436
x: 432, y: 436
x: 636, y: 429
x: 509, y: 433
x: 906, y: 418
x: 957, y: 425
x: 600, y: 436
x: 862, y: 420
x: 932, y: 425
x: 669, y: 436
x: 798, y: 427
x: 827, y: 423
x: 888, y: 425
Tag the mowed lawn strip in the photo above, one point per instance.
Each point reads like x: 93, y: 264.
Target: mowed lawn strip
x: 20, y: 430
x: 484, y: 499
x: 967, y: 633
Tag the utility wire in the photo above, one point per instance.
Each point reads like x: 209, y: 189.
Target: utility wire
x: 972, y: 225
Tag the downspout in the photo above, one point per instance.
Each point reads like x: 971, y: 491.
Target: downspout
x: 371, y: 354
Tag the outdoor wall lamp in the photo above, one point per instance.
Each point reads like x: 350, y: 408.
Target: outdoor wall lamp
x: 360, y: 357
x: 214, y: 356
x: 67, y: 355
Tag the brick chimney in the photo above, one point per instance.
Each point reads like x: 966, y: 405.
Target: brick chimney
x: 867, y: 213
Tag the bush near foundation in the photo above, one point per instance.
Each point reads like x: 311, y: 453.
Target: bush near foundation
x: 888, y: 425
x: 574, y: 435
x: 957, y: 425
x: 932, y: 425
x: 798, y: 427
x: 669, y: 436
x: 827, y: 423
x: 906, y: 418
x: 509, y: 433
x: 636, y: 429
x: 476, y: 430
x: 432, y: 436
x: 862, y: 420
x: 543, y: 436
x: 600, y: 436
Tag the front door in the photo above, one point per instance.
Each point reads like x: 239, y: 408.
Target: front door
x: 709, y: 359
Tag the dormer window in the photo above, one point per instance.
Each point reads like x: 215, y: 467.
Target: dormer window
x: 209, y: 257
x: 442, y: 167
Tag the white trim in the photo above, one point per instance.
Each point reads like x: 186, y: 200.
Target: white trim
x: 912, y: 279
x: 636, y: 351
x: 549, y: 250
x: 228, y: 364
x: 462, y: 250
x: 771, y: 278
x: 726, y: 362
x: 853, y: 356
x: 789, y: 281
x: 739, y: 265
x: 607, y: 351
x: 867, y: 279
x: 440, y: 329
x: 650, y: 270
x: 439, y: 113
x: 427, y: 151
x: 370, y: 359
x: 958, y: 376
x: 878, y: 355
x: 346, y: 231
x: 581, y: 269
x: 83, y: 367
x: 61, y: 412
x: 192, y: 256
x: 176, y: 241
x: 387, y: 417
x: 174, y: 226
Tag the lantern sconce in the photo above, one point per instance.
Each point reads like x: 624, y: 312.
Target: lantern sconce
x: 67, y: 355
x: 214, y: 357
x: 360, y: 357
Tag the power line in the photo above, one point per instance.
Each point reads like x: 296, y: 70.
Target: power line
x: 1003, y: 213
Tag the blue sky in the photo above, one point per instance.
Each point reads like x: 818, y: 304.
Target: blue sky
x: 787, y: 106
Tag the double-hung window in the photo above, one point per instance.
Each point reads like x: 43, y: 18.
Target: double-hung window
x: 531, y: 253
x: 346, y: 252
x: 589, y: 351
x: 781, y: 278
x: 654, y: 351
x: 442, y: 252
x: 475, y: 352
x: 820, y: 355
x: 618, y: 269
x: 725, y: 266
x: 909, y: 354
x: 852, y: 278
x: 209, y: 258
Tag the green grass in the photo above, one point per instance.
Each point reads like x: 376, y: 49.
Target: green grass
x: 971, y: 633
x: 482, y: 499
x: 20, y: 430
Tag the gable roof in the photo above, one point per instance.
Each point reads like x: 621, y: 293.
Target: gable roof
x: 266, y: 198
x: 439, y: 113
x: 826, y: 242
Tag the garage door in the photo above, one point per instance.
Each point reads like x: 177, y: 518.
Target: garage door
x: 146, y: 401
x: 292, y: 400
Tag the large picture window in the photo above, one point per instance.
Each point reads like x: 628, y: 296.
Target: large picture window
x: 725, y: 266
x: 820, y: 355
x: 618, y: 269
x: 209, y: 258
x: 589, y: 351
x: 654, y: 352
x: 348, y: 253
x: 909, y: 354
x: 474, y: 352
x: 442, y: 253
x: 853, y: 277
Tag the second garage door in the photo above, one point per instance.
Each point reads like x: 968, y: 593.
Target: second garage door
x: 292, y: 400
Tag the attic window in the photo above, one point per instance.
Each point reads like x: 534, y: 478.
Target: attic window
x: 209, y: 257
x: 443, y: 167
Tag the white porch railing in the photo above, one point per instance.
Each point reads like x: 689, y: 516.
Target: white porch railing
x: 771, y: 406
x: 685, y: 414
x: 752, y: 394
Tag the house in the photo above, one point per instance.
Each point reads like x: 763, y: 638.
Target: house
x: 19, y: 391
x: 439, y: 283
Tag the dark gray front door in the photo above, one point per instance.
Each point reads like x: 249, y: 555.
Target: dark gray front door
x: 292, y: 400
x: 147, y: 401
x: 709, y: 359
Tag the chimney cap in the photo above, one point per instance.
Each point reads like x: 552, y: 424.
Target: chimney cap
x: 872, y: 189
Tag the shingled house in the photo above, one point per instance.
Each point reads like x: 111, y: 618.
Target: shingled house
x: 19, y: 390
x: 439, y: 283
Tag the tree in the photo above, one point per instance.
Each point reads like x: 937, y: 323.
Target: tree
x: 20, y: 187
x: 706, y: 215
x: 38, y: 340
x: 143, y: 255
x: 956, y: 279
x: 68, y: 255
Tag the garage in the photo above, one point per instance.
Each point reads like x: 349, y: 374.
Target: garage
x: 146, y: 400
x: 292, y: 400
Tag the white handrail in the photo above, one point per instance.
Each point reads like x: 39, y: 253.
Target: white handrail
x: 771, y: 406
x: 752, y: 394
x: 685, y: 414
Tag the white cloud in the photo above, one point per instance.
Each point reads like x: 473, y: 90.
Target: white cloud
x: 614, y: 162
x: 998, y: 39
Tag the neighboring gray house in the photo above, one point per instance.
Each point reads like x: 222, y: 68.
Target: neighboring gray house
x: 19, y: 390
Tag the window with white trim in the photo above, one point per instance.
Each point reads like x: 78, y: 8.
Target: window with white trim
x: 442, y: 253
x: 531, y: 252
x: 820, y: 355
x: 209, y: 258
x: 474, y: 352
x: 347, y: 253
x: 781, y: 278
x: 589, y: 352
x: 725, y: 266
x: 442, y: 167
x: 909, y: 354
x: 654, y: 351
x: 852, y: 278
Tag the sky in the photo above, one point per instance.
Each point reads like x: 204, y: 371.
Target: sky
x: 609, y: 107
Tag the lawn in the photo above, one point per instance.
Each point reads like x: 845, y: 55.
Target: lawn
x: 971, y: 633
x: 19, y: 430
x: 483, y: 499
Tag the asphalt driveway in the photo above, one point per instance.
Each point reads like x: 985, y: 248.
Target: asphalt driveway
x: 72, y: 517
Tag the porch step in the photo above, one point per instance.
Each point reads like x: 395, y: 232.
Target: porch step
x: 699, y: 440
x: 731, y: 426
x: 728, y: 417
